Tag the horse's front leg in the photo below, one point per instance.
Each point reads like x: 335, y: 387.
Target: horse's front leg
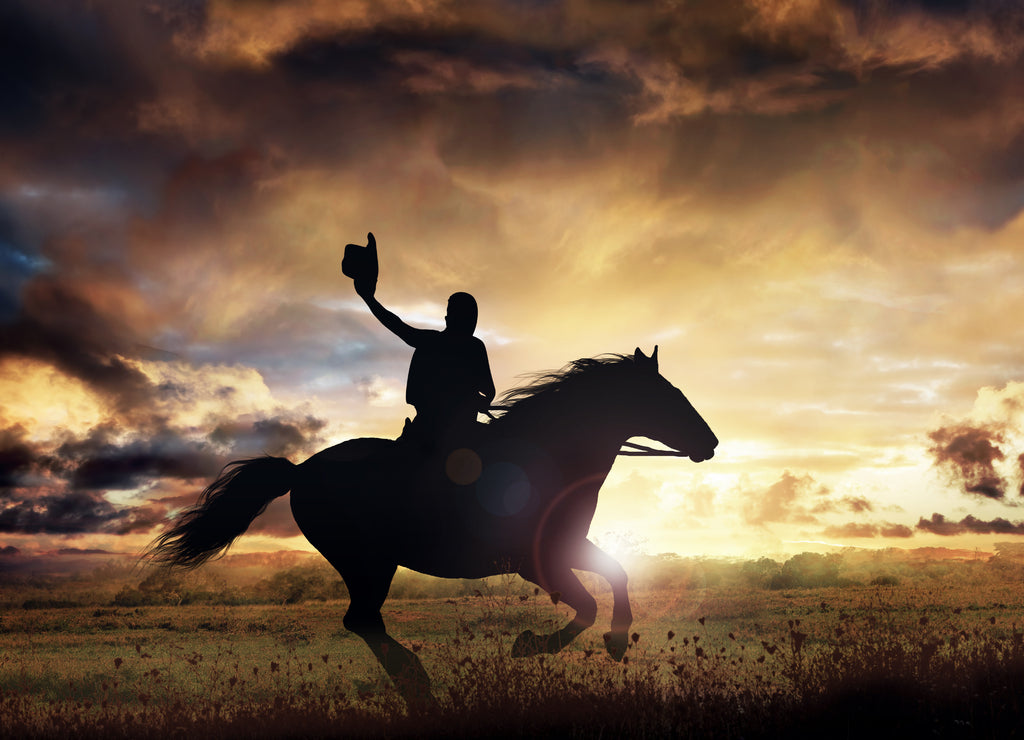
x: 595, y: 560
x: 562, y: 584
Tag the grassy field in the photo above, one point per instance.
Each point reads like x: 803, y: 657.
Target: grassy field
x: 715, y: 661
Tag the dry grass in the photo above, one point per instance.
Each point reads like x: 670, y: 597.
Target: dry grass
x: 732, y: 663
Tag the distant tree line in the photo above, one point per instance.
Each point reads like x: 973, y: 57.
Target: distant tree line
x: 314, y: 580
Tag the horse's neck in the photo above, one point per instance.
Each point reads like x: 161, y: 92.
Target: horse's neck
x: 585, y: 443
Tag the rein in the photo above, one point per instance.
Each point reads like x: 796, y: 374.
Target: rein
x: 645, y: 451
x: 635, y: 450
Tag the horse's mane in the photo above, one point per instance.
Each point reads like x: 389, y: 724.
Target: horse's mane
x: 559, y: 385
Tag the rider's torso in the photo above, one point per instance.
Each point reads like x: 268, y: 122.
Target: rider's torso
x: 445, y: 374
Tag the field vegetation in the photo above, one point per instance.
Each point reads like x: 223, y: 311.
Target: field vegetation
x: 841, y: 646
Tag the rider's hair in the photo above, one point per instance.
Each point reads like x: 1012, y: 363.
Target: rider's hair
x: 462, y: 313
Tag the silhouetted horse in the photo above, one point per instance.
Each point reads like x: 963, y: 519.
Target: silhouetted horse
x: 518, y: 499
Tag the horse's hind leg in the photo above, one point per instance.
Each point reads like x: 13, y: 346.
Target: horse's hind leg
x: 571, y: 592
x: 368, y: 588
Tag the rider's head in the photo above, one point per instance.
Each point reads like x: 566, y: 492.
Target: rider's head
x: 462, y: 312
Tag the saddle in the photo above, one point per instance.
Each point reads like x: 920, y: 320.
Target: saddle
x: 432, y: 442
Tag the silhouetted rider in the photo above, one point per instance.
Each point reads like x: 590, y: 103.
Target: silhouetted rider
x: 449, y: 377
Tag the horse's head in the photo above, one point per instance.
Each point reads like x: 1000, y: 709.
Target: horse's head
x: 660, y: 411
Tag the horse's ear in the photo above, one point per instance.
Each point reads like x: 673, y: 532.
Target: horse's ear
x: 642, y: 360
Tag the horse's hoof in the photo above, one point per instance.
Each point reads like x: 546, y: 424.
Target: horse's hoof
x: 413, y: 684
x: 421, y: 703
x: 525, y: 645
x: 616, y: 643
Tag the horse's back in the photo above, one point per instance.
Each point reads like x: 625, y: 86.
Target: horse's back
x: 352, y: 450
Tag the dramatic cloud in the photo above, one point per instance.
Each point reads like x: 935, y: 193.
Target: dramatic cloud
x: 791, y: 498
x: 97, y: 463
x: 280, y: 437
x: 851, y: 530
x: 971, y: 454
x: 63, y: 489
x: 799, y: 499
x: 977, y: 453
x: 57, y: 325
x: 16, y: 457
x: 938, y: 524
x: 76, y: 512
x: 863, y: 530
x: 895, y: 530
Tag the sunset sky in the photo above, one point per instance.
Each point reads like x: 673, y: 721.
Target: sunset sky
x: 814, y: 208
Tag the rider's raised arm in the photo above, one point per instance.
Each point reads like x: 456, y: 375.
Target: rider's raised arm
x: 360, y: 264
x: 408, y: 334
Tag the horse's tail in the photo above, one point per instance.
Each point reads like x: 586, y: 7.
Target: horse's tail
x: 224, y: 510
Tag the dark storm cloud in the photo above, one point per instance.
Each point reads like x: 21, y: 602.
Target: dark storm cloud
x: 73, y: 77
x: 82, y: 67
x: 75, y: 512
x: 101, y: 461
x: 57, y: 325
x: 938, y: 524
x: 743, y: 94
x: 18, y: 263
x: 969, y: 455
x: 96, y: 463
x: 17, y: 458
x: 751, y: 95
x: 62, y: 490
x: 56, y: 57
x: 937, y: 7
x: 532, y: 78
x: 277, y: 436
x: 385, y: 57
x: 59, y: 491
x: 492, y: 96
